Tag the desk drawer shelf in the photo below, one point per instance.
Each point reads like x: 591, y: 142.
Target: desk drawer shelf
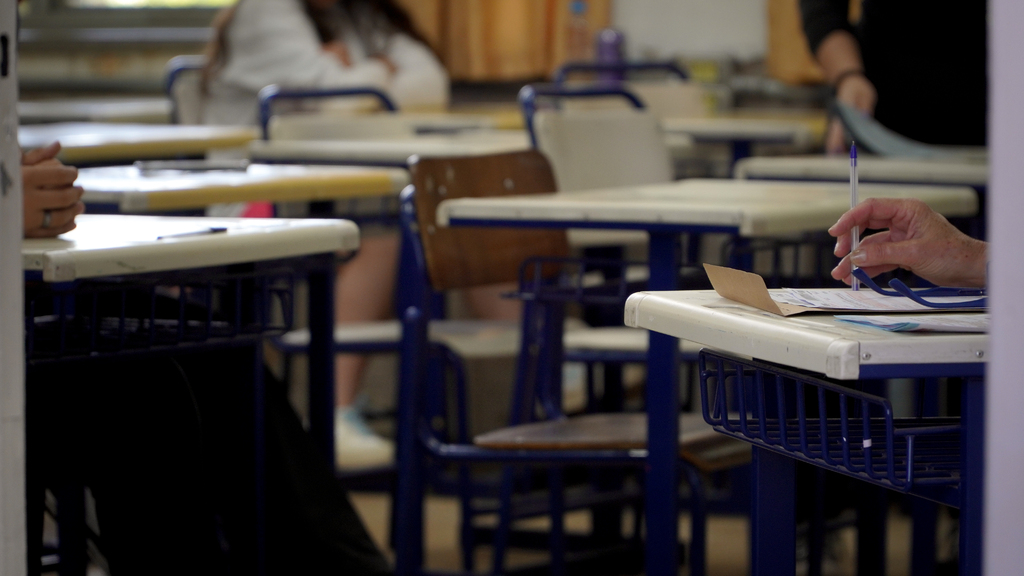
x: 144, y: 312
x: 831, y: 425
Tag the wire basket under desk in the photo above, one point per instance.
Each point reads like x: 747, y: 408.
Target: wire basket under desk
x: 116, y: 315
x: 831, y: 425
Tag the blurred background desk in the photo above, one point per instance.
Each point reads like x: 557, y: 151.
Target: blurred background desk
x: 869, y: 169
x: 388, y: 151
x: 98, y: 143
x: 740, y: 132
x: 129, y: 189
x: 154, y: 110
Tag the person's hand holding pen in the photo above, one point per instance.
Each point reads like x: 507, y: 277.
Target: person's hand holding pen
x: 913, y: 237
x: 51, y: 200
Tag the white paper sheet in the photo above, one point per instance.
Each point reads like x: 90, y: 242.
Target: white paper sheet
x: 856, y: 300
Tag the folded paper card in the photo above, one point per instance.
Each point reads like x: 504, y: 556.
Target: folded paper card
x: 750, y: 289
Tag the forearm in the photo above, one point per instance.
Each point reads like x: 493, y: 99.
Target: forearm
x: 839, y: 54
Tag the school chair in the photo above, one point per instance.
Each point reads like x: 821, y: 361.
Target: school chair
x: 183, y: 86
x: 664, y: 87
x: 431, y: 422
x: 317, y: 125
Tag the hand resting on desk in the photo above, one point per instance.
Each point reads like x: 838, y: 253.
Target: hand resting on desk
x: 51, y: 200
x: 915, y: 238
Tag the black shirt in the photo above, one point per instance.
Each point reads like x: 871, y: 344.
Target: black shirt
x: 926, y: 58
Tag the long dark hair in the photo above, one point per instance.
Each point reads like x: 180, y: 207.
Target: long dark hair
x: 367, y: 16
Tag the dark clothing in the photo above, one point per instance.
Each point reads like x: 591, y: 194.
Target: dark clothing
x: 926, y: 58
x: 165, y: 446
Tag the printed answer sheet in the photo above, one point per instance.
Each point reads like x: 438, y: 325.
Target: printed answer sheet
x: 864, y: 299
x: 923, y: 323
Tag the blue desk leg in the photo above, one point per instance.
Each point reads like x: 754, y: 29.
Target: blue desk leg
x: 740, y: 150
x: 972, y: 458
x: 260, y: 442
x: 772, y: 514
x: 321, y: 355
x: 872, y: 512
x: 409, y: 496
x: 662, y: 479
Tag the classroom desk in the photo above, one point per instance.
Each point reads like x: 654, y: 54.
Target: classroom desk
x: 820, y: 344
x: 504, y: 116
x: 128, y: 189
x: 258, y: 257
x: 740, y: 132
x: 96, y: 143
x: 107, y: 245
x: 142, y: 110
x: 665, y: 212
x: 388, y: 151
x: 869, y: 169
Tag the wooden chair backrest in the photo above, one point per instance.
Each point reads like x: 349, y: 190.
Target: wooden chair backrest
x: 462, y: 257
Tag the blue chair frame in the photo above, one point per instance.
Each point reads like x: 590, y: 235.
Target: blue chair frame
x: 269, y: 94
x: 175, y: 68
x: 538, y: 386
x: 528, y: 99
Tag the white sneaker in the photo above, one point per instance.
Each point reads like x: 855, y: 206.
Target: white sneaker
x: 356, y: 447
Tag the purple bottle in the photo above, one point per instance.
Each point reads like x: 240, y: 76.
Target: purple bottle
x: 609, y: 47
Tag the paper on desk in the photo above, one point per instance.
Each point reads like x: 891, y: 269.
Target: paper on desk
x: 922, y: 323
x: 750, y: 289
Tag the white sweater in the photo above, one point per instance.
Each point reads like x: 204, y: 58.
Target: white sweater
x: 274, y: 42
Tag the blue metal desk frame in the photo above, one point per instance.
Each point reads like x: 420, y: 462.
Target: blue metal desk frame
x: 773, y: 522
x: 319, y: 269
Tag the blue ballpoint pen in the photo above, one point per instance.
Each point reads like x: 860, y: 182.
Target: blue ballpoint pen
x: 855, y: 231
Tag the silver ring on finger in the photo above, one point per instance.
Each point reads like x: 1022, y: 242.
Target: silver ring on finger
x: 47, y: 219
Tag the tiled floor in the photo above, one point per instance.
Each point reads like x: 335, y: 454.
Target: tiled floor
x: 728, y: 553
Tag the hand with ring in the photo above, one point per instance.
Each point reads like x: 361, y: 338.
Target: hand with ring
x: 51, y: 200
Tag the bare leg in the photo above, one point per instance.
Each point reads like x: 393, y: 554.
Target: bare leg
x: 363, y: 293
x: 485, y: 302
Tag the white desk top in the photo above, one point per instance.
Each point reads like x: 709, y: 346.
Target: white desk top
x: 118, y: 245
x: 753, y: 208
x: 135, y: 190
x: 327, y: 126
x: 155, y: 110
x: 97, y: 142
x: 869, y: 169
x: 391, y: 150
x: 814, y: 342
x: 732, y: 129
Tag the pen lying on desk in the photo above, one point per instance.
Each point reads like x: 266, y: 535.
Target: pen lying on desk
x: 855, y: 231
x: 203, y: 232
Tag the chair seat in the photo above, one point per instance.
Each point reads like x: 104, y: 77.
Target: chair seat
x: 619, y: 339
x: 699, y: 444
x: 468, y: 338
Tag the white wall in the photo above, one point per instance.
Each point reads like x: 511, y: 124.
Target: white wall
x: 12, y: 357
x: 693, y: 28
x: 1004, y: 450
